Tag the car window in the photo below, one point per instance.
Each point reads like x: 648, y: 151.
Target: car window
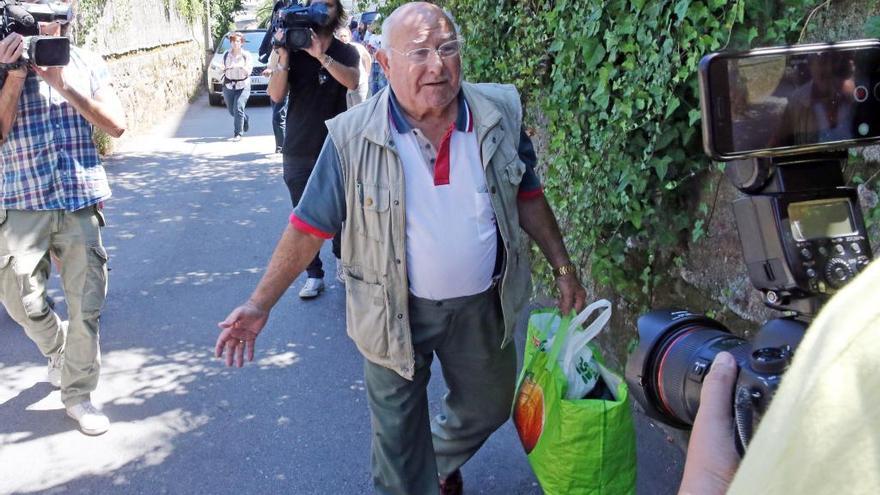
x: 252, y: 40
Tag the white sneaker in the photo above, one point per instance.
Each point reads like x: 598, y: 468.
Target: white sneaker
x: 311, y: 288
x: 340, y: 275
x: 56, y: 363
x: 91, y: 420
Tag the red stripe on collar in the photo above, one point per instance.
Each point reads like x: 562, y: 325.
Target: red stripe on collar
x: 441, y: 166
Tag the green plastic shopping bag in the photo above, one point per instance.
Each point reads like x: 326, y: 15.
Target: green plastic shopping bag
x: 575, y: 446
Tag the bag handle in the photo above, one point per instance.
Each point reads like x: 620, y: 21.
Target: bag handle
x: 583, y: 338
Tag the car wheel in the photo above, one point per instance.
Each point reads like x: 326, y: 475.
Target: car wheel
x: 215, y: 100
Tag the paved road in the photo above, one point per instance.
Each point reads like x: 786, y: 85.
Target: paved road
x: 192, y: 223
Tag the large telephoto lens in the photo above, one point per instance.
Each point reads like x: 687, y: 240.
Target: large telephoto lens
x: 676, y: 348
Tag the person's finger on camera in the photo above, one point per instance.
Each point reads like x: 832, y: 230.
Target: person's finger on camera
x: 11, y: 48
x: 712, y: 458
x: 717, y: 393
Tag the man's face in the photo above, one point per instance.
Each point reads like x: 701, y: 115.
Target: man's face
x: 432, y: 84
x: 343, y: 35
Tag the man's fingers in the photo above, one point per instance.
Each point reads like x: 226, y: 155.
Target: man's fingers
x: 580, y: 300
x: 230, y: 351
x: 221, y: 342
x: 250, y: 349
x: 239, y: 353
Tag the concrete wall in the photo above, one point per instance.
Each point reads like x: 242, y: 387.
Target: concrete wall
x: 155, y: 56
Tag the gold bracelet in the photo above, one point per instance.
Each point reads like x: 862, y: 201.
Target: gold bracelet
x: 567, y: 269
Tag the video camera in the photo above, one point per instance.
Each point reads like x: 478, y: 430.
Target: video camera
x: 297, y: 23
x: 780, y: 118
x: 22, y: 18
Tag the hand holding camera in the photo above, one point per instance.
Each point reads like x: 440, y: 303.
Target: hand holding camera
x: 11, y: 48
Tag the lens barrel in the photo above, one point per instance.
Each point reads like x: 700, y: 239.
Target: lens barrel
x: 676, y: 348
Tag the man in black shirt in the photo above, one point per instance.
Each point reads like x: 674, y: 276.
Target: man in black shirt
x: 316, y: 79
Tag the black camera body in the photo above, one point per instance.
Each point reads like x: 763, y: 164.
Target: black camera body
x: 297, y: 23
x: 781, y: 118
x: 22, y: 18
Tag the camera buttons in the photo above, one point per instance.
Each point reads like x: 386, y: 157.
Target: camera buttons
x: 860, y: 93
x: 864, y: 128
x: 856, y: 248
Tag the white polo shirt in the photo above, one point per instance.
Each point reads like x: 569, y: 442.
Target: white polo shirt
x: 451, y: 237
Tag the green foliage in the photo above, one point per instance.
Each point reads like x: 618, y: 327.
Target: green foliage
x: 872, y: 27
x: 190, y: 9
x: 614, y: 83
x: 222, y: 12
x: 103, y: 142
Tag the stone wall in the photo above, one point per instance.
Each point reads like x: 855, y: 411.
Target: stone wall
x: 156, y: 57
x: 153, y: 82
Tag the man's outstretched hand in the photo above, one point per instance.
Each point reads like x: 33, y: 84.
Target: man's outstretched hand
x: 240, y: 330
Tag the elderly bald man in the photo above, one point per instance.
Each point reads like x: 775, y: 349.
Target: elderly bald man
x: 432, y: 183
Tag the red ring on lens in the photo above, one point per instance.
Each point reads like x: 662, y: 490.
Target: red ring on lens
x: 660, y: 392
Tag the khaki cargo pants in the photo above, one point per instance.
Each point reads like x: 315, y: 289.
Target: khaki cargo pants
x: 26, y: 239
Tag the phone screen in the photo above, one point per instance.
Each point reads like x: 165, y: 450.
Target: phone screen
x: 783, y: 101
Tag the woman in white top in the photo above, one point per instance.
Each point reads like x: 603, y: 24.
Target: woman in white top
x: 237, y: 65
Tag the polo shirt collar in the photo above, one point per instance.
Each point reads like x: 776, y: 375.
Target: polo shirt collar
x: 464, y: 122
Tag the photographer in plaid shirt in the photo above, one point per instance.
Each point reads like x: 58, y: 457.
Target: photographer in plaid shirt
x: 51, y: 188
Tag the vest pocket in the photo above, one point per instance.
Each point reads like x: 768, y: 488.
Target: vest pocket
x: 367, y: 317
x: 515, y: 171
x: 375, y: 201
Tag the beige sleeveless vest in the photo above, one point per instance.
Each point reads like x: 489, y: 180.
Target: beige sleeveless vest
x: 374, y: 233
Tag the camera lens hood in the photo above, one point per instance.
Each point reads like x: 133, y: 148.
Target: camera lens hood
x: 656, y: 329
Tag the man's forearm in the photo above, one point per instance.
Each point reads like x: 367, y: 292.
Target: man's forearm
x: 347, y: 76
x: 278, y: 83
x: 106, y: 116
x: 537, y: 219
x: 9, y: 95
x: 292, y: 254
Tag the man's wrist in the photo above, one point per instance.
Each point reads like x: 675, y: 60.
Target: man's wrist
x: 20, y: 74
x: 563, y: 270
x: 326, y: 60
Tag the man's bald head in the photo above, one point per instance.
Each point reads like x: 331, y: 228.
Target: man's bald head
x: 424, y: 79
x: 408, y: 16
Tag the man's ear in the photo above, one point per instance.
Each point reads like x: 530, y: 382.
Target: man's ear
x: 382, y: 58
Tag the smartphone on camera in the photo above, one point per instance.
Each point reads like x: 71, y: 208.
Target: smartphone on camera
x: 790, y: 100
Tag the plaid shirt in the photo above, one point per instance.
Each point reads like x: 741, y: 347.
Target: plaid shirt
x: 49, y: 161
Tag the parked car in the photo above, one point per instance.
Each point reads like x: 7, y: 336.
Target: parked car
x: 259, y: 84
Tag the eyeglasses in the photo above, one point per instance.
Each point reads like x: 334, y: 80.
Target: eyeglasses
x: 420, y: 55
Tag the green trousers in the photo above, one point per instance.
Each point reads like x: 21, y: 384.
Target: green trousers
x: 74, y: 238
x: 410, y: 450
